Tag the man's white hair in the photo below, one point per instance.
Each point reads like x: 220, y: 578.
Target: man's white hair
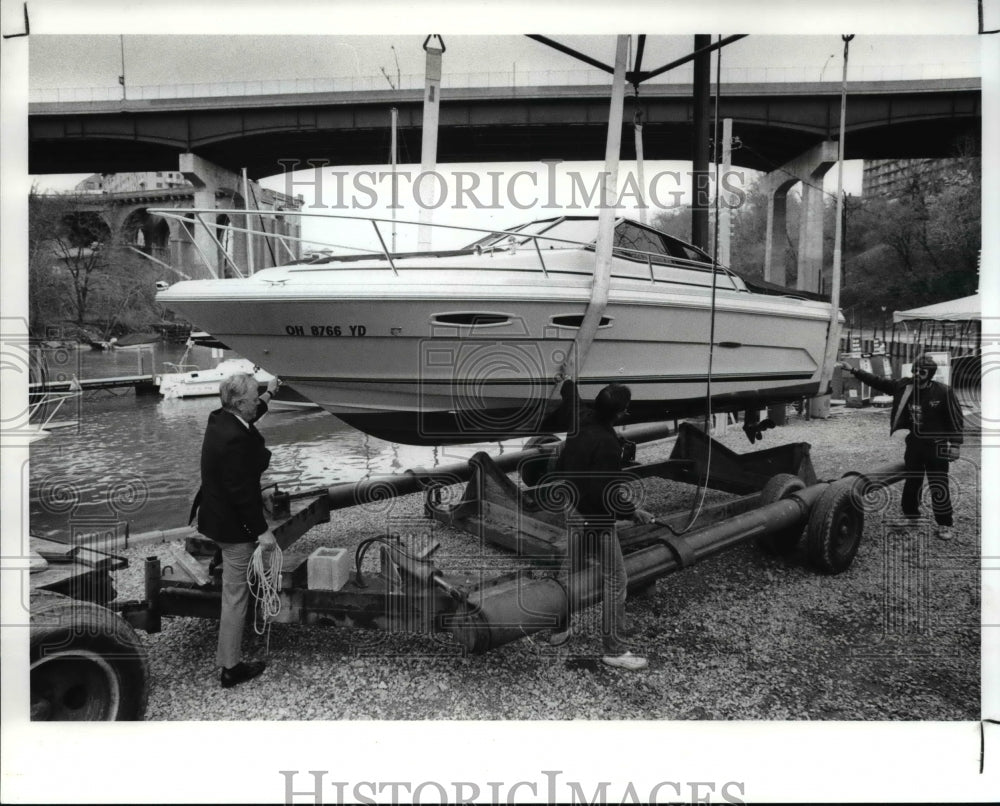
x: 236, y: 388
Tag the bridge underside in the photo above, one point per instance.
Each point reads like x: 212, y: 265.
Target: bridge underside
x: 761, y: 148
x: 543, y: 123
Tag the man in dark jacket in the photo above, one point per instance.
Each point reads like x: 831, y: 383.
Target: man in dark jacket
x: 591, y: 463
x: 931, y: 413
x: 231, y: 510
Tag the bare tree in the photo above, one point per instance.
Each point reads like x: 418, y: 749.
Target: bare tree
x: 80, y: 273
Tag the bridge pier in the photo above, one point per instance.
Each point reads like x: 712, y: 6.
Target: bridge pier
x: 809, y: 169
x: 212, y: 182
x: 196, y: 248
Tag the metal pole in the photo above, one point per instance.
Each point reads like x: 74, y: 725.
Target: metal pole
x: 820, y: 405
x: 699, y: 156
x: 394, y: 117
x: 725, y: 212
x: 249, y: 234
x: 838, y: 234
x: 415, y: 479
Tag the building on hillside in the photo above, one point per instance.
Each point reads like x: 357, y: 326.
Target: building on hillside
x: 132, y: 182
x: 894, y: 178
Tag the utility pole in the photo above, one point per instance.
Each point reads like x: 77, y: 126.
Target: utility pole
x: 394, y: 118
x: 700, y: 149
x: 820, y: 406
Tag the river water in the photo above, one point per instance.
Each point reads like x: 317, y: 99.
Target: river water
x: 134, y: 459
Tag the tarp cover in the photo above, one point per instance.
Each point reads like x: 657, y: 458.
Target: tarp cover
x: 956, y: 310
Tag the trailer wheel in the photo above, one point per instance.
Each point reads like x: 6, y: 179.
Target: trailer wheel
x: 778, y: 487
x: 835, y: 526
x: 533, y: 470
x: 87, y: 663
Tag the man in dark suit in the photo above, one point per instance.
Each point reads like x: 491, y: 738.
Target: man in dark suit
x: 931, y: 413
x: 231, y: 510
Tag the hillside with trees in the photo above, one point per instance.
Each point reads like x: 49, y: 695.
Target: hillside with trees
x: 919, y: 248
x: 84, y: 281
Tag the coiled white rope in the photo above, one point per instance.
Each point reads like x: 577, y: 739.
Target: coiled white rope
x: 265, y: 583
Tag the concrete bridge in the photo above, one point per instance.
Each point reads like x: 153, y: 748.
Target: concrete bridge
x: 775, y: 122
x: 196, y: 251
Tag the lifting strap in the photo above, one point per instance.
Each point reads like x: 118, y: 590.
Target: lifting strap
x: 577, y: 355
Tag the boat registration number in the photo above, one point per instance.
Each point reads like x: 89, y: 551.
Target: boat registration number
x: 325, y: 330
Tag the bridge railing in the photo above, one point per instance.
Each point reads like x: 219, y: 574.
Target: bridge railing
x: 511, y: 79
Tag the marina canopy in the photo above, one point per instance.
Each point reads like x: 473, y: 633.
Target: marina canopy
x: 964, y: 309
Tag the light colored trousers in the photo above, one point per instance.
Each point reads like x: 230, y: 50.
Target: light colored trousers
x: 235, y: 597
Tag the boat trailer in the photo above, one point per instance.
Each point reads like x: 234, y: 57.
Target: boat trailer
x: 519, y: 528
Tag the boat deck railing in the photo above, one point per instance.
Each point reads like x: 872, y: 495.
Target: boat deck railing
x: 43, y: 406
x: 223, y: 232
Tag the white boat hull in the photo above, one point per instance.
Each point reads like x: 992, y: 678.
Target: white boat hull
x: 383, y: 352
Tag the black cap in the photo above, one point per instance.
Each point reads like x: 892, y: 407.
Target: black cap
x: 926, y: 362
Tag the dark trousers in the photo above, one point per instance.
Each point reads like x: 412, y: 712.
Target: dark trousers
x: 598, y: 538
x: 923, y: 457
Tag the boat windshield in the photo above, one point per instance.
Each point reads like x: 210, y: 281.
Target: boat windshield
x: 632, y: 240
x: 578, y: 231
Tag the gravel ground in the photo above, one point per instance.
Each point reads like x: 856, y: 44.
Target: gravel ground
x: 741, y: 635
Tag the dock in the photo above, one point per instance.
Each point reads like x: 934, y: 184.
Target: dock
x: 143, y: 384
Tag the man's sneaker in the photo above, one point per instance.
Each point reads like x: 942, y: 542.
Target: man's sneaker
x: 626, y: 661
x: 240, y: 673
x: 945, y: 533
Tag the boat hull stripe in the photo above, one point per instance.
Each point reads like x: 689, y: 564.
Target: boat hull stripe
x: 699, y: 379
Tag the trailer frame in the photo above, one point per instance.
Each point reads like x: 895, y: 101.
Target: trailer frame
x: 776, y: 500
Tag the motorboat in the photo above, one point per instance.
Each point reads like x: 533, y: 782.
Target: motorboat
x: 448, y: 346
x: 205, y: 382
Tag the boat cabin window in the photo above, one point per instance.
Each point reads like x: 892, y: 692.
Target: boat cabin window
x: 575, y: 320
x: 471, y: 318
x: 639, y: 243
x: 683, y: 250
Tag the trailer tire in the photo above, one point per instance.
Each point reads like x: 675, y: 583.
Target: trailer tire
x: 778, y: 487
x: 86, y: 662
x: 835, y: 526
